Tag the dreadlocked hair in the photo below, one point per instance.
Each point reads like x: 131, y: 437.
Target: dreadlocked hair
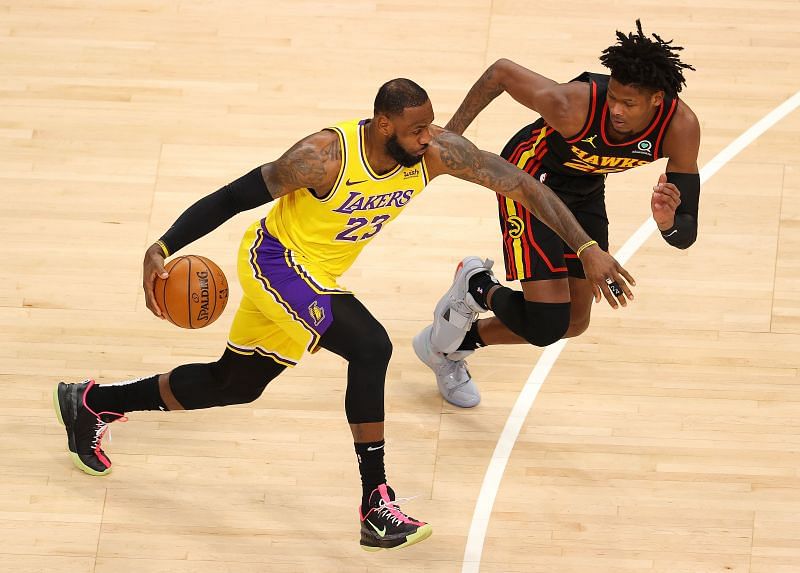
x: 638, y: 60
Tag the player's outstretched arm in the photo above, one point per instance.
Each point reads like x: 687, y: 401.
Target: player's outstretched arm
x: 532, y: 90
x: 454, y: 155
x: 313, y: 162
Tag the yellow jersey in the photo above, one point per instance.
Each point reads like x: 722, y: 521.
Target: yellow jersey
x: 331, y: 231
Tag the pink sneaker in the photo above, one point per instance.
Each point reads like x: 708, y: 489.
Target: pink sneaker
x: 85, y: 427
x: 386, y: 527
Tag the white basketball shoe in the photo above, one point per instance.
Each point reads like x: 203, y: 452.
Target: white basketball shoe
x: 457, y: 309
x: 452, y: 377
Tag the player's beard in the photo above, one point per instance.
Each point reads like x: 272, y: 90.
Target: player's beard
x: 399, y: 154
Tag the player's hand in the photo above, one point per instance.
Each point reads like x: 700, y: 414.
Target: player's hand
x: 607, y: 276
x: 664, y: 201
x: 153, y: 266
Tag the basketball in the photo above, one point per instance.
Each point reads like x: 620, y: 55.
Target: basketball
x: 194, y: 294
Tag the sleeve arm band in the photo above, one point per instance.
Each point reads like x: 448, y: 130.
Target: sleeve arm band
x: 683, y: 232
x: 247, y: 192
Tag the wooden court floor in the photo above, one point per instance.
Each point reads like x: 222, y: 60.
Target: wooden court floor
x: 664, y: 440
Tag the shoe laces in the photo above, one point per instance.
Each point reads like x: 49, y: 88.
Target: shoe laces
x: 454, y: 372
x: 391, y: 510
x: 101, y: 428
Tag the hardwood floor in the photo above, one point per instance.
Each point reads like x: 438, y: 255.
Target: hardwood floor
x: 665, y: 439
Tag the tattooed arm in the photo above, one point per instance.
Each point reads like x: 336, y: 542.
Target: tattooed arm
x: 454, y: 155
x: 563, y: 106
x: 311, y: 163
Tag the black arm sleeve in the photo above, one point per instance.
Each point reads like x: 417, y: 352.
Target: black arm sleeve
x: 683, y: 232
x: 247, y: 192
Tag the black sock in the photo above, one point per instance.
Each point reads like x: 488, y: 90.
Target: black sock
x: 472, y: 340
x: 136, y: 395
x: 479, y: 285
x: 370, y: 465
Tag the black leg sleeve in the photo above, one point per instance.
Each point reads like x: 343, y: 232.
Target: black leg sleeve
x: 233, y: 379
x: 359, y: 338
x: 540, y: 323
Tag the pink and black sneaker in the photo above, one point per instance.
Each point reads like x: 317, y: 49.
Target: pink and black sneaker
x: 85, y: 427
x: 386, y: 527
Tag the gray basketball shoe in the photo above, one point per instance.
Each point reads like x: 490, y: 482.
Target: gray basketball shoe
x: 457, y: 309
x: 452, y: 377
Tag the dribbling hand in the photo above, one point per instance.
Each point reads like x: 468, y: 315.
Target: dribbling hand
x: 153, y: 266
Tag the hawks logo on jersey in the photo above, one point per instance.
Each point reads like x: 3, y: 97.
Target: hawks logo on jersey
x: 590, y: 163
x: 538, y: 148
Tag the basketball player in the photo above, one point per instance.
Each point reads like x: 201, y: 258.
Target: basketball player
x: 589, y: 127
x: 334, y: 191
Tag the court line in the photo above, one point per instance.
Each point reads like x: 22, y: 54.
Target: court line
x: 508, y: 437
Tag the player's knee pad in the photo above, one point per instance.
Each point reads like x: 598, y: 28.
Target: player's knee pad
x: 242, y: 378
x: 375, y: 349
x: 546, y: 322
x: 355, y: 334
x: 366, y: 379
x: 370, y: 350
x: 233, y: 379
x: 241, y: 390
x: 540, y: 323
x: 359, y: 338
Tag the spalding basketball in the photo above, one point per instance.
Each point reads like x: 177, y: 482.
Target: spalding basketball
x: 194, y: 294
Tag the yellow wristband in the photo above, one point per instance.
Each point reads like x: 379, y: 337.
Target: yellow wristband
x: 163, y: 248
x: 584, y: 246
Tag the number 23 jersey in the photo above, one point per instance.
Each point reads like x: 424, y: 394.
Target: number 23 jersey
x: 330, y: 231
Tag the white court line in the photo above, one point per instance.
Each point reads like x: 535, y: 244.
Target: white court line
x: 508, y: 437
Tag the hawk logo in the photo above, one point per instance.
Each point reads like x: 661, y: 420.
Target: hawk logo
x: 317, y: 313
x: 590, y: 141
x: 515, y: 227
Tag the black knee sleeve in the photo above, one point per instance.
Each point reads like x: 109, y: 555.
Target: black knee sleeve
x: 540, y: 323
x: 366, y: 380
x: 233, y: 379
x: 359, y: 338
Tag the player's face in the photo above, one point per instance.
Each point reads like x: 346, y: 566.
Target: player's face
x: 412, y: 135
x: 630, y: 108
